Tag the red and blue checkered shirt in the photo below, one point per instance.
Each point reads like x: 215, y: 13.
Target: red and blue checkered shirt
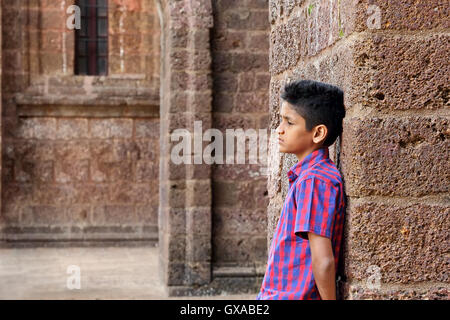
x: 314, y: 203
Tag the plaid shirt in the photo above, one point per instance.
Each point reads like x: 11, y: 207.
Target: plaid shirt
x: 314, y: 203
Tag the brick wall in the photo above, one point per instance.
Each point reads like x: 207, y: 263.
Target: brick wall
x: 240, y: 53
x: 80, y: 154
x: 394, y: 150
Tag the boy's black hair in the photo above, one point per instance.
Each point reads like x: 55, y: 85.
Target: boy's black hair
x: 318, y: 103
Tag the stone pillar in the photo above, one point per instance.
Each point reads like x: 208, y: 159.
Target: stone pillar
x: 391, y: 60
x: 1, y: 109
x: 185, y: 190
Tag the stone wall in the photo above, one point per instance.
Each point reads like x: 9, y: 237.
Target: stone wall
x: 1, y: 104
x: 391, y: 60
x: 185, y: 189
x: 80, y: 153
x: 240, y: 55
x: 212, y: 217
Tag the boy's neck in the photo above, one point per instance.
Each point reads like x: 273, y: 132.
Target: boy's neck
x: 304, y: 154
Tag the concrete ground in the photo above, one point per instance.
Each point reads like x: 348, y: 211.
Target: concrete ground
x: 105, y: 273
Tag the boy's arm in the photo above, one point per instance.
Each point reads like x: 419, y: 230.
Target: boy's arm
x: 323, y: 265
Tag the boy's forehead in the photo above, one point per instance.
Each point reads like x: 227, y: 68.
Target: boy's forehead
x: 287, y: 110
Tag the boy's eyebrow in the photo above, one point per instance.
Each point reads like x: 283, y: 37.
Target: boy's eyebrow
x: 286, y: 117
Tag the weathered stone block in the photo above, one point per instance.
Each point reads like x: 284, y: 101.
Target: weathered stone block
x: 53, y: 194
x: 119, y: 170
x: 224, y: 40
x: 407, y: 241
x: 70, y: 171
x: 396, y: 156
x: 233, y: 121
x: 200, y: 102
x: 361, y: 292
x: 239, y: 248
x: 225, y: 82
x: 242, y: 62
x: 173, y: 248
x: 114, y: 214
x: 234, y: 194
x: 121, y: 128
x: 198, y: 171
x: 228, y: 221
x: 200, y: 60
x: 148, y: 213
x: 176, y: 195
x: 11, y: 213
x: 174, y: 274
x: 198, y: 221
x: 79, y: 214
x: 178, y: 38
x: 224, y: 193
x: 72, y: 129
x: 221, y: 61
x: 147, y: 128
x: 252, y: 102
x: 99, y: 128
x: 95, y: 193
x: 46, y: 214
x: 403, y: 73
x: 178, y: 102
x: 176, y: 221
x: 179, y: 59
x: 71, y: 150
x: 245, y: 19
x: 146, y: 171
x: 198, y: 248
x: 101, y: 150
x: 238, y: 171
x: 422, y: 15
x: 179, y: 80
x: 199, y: 82
x: 198, y: 193
x: 197, y: 273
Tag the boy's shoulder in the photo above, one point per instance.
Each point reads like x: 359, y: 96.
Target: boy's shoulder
x: 325, y: 170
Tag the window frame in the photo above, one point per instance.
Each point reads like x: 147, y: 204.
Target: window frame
x: 93, y: 13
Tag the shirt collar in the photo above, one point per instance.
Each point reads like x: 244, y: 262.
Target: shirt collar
x: 307, y: 162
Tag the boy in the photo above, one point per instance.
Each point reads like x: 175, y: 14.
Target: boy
x: 303, y: 257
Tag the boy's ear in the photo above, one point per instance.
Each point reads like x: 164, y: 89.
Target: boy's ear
x: 320, y: 133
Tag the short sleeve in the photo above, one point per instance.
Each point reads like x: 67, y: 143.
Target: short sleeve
x: 316, y: 207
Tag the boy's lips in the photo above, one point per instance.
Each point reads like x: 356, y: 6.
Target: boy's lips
x: 280, y: 140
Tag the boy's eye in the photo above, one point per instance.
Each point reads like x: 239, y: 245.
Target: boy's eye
x: 281, y: 120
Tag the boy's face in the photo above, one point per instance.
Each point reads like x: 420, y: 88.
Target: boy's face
x: 292, y: 134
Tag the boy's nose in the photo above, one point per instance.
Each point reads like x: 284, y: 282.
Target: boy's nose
x: 279, y: 130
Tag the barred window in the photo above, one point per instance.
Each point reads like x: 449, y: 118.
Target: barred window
x: 91, y: 40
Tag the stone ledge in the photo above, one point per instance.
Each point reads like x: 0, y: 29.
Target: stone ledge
x: 78, y: 243
x: 98, y: 110
x: 84, y: 100
x: 219, y: 286
x: 225, y: 280
x: 71, y: 93
x: 224, y: 272
x: 57, y: 234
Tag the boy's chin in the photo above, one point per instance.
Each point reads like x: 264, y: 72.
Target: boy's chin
x: 282, y: 149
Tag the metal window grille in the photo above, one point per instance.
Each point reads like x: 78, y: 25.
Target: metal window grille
x: 91, y: 40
